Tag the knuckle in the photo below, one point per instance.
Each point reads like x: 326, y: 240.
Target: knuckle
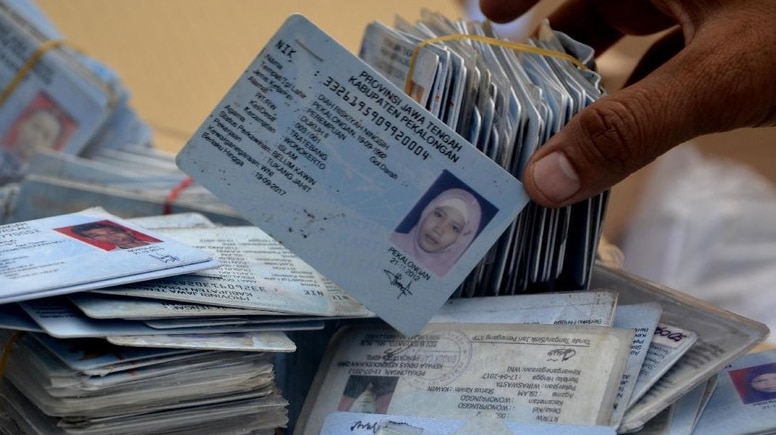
x: 610, y: 137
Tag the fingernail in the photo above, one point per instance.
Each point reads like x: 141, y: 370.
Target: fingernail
x: 554, y: 176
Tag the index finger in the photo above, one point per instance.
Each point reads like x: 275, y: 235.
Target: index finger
x: 500, y: 11
x: 596, y: 23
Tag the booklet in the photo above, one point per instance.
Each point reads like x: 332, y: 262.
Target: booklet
x: 86, y: 250
x: 338, y: 164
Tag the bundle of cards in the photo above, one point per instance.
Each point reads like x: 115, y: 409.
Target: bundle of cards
x: 86, y: 250
x: 195, y: 351
x: 55, y: 98
x: 132, y: 181
x: 507, y: 100
x: 299, y: 148
x: 60, y: 101
x: 253, y: 290
x: 55, y: 386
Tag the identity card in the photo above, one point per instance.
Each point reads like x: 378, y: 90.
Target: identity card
x: 338, y: 164
x: 86, y: 250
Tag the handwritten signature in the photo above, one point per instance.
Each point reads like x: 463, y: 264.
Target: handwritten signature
x: 395, y: 280
x: 167, y: 258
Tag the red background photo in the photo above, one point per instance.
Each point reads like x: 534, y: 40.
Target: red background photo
x: 103, y: 245
x: 41, y: 102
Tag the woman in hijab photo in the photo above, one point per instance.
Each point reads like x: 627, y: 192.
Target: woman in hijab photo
x: 759, y: 384
x: 446, y: 227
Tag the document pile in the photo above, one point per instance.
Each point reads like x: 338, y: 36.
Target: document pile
x: 589, y: 362
x: 131, y: 181
x: 69, y: 386
x: 343, y: 164
x: 351, y: 165
x: 178, y: 317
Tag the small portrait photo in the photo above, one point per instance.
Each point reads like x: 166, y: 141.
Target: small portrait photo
x: 368, y: 394
x: 755, y: 384
x: 41, y: 125
x: 108, y: 235
x: 443, y: 224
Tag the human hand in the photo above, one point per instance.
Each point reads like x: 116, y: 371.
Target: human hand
x: 711, y: 72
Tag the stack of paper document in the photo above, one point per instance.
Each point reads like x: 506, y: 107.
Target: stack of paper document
x: 220, y: 299
x: 87, y: 386
x: 609, y: 359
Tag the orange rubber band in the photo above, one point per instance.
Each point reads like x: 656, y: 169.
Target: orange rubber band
x: 28, y: 65
x: 188, y: 181
x: 492, y: 41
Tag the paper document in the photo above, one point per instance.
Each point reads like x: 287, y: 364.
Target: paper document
x: 524, y: 373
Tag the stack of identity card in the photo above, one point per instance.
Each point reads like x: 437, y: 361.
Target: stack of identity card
x: 118, y: 316
x: 69, y: 138
x: 506, y: 100
x: 55, y: 98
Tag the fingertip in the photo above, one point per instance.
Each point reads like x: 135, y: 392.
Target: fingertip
x: 552, y: 180
x: 500, y: 11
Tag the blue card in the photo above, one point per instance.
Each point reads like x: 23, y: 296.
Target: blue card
x: 348, y: 172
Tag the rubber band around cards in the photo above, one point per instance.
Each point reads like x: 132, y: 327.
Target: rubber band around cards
x: 491, y: 41
x: 28, y: 65
x: 174, y: 192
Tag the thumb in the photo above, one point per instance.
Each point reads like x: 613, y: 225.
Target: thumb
x: 602, y: 145
x: 685, y: 97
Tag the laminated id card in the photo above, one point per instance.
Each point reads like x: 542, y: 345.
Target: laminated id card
x: 339, y: 165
